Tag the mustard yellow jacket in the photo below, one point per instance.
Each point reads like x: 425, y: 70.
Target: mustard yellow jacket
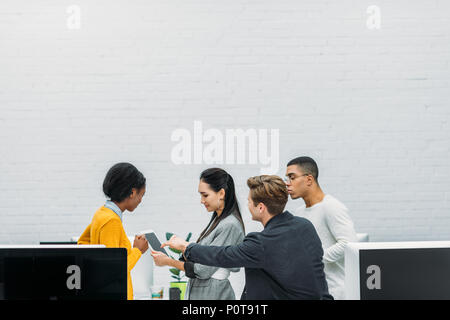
x: 106, y: 228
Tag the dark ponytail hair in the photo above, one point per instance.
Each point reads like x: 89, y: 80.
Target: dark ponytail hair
x: 218, y: 179
x: 121, y: 179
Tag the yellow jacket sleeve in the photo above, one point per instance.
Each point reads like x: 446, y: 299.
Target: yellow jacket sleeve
x: 133, y: 256
x: 85, y: 238
x: 110, y: 236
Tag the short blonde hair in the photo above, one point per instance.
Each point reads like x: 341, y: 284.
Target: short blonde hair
x: 270, y: 190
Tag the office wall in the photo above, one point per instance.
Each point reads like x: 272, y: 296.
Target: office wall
x: 361, y: 86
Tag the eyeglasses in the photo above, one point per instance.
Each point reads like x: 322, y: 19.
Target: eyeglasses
x: 289, y: 179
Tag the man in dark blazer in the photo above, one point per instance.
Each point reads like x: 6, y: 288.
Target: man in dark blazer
x: 284, y: 261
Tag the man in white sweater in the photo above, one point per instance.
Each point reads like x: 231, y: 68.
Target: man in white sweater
x: 328, y: 215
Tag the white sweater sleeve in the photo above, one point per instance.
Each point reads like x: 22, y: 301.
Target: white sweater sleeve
x: 341, y: 227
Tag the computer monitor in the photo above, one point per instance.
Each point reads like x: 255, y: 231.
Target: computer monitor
x: 57, y: 242
x: 63, y: 272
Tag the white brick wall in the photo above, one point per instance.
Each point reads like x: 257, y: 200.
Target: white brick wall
x: 371, y: 106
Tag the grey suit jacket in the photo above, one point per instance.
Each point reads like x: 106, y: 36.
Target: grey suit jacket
x: 201, y: 286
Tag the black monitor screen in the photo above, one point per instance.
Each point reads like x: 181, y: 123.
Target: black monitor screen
x: 63, y: 273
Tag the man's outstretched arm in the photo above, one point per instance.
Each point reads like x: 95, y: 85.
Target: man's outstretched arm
x: 249, y: 253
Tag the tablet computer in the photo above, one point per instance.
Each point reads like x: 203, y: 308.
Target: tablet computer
x: 153, y: 241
